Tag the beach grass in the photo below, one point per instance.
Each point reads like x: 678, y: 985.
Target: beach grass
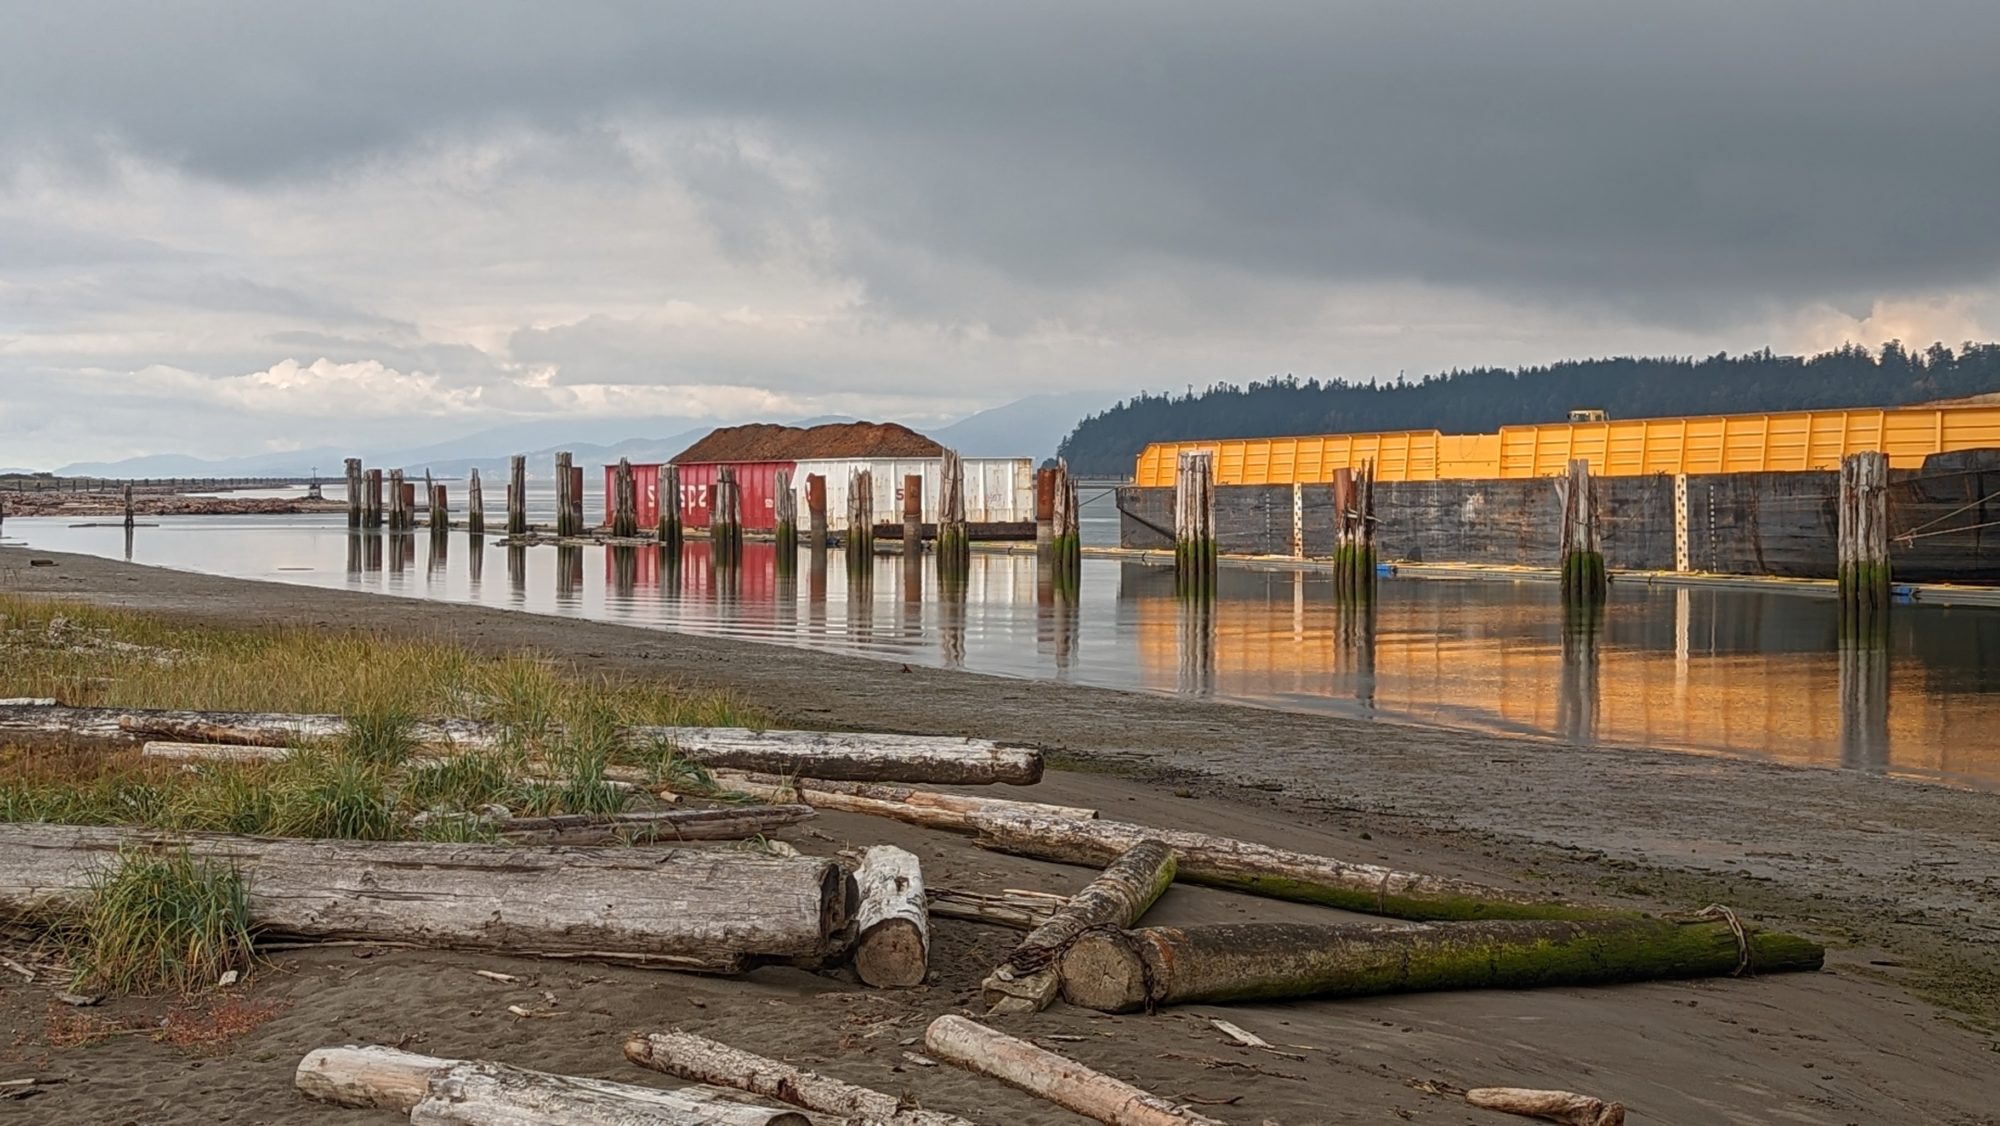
x: 159, y: 922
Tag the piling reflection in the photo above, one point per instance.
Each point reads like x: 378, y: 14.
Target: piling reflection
x: 475, y: 560
x: 1354, y: 634
x: 623, y: 562
x: 517, y: 574
x: 1576, y: 686
x: 434, y: 562
x: 569, y: 575
x: 816, y: 589
x: 354, y: 553
x: 910, y: 597
x: 1864, y: 708
x: 1197, y: 647
x: 128, y: 542
x: 951, y: 624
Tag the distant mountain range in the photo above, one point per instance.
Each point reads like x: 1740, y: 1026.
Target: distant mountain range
x: 1029, y: 427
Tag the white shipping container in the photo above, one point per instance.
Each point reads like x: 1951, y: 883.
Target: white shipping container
x: 998, y: 490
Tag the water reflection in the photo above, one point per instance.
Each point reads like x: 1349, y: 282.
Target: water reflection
x: 1864, y: 708
x: 1576, y: 689
x: 1704, y: 669
x: 475, y: 558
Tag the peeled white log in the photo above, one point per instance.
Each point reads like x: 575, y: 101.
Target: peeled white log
x: 701, y: 1060
x: 28, y: 702
x: 707, y: 909
x: 212, y: 752
x: 1562, y: 1107
x: 473, y: 1093
x: 1042, y: 1073
x: 892, y: 922
x: 929, y: 808
x: 1275, y: 872
x: 839, y: 756
x: 1022, y: 910
x: 373, y: 1076
x: 490, y: 1094
x: 1028, y: 981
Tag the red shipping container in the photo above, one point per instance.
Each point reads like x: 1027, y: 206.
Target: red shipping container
x: 757, y: 481
x: 645, y: 486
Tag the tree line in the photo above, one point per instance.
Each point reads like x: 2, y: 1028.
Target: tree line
x: 1480, y: 400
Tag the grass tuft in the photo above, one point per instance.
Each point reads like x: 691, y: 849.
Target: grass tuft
x: 161, y: 922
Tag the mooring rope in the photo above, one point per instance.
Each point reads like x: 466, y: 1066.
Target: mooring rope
x: 1718, y: 911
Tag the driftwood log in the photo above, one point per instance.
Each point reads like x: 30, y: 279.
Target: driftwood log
x: 1021, y: 910
x: 701, y: 1060
x: 1274, y: 872
x: 1130, y: 970
x: 929, y: 808
x: 1029, y: 979
x: 435, y: 1092
x: 1044, y: 1074
x: 1562, y: 1107
x: 705, y: 909
x: 733, y: 824
x: 838, y: 756
x: 892, y: 923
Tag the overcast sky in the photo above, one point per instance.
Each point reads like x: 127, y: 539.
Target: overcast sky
x: 229, y: 227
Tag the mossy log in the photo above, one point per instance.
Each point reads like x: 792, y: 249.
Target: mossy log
x: 476, y: 1093
x: 1273, y: 872
x: 839, y: 756
x: 717, y: 910
x: 1044, y: 1074
x: 701, y: 1060
x: 1130, y: 970
x: 1029, y: 979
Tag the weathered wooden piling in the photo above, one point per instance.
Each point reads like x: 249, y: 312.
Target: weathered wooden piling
x: 576, y: 499
x: 861, y: 524
x: 669, y: 531
x: 371, y: 512
x: 725, y: 528
x: 624, y: 501
x: 440, y: 514
x: 517, y: 495
x: 430, y: 499
x: 1064, y: 556
x: 913, y: 515
x: 475, y: 506
x: 954, y: 540
x: 786, y: 503
x: 1354, y: 532
x: 354, y: 509
x: 565, y: 526
x: 1863, y: 549
x: 1584, y: 580
x: 816, y: 511
x: 129, y: 523
x: 399, y: 510
x: 1045, y: 511
x: 1194, y: 526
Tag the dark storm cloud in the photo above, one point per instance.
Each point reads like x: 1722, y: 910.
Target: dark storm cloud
x: 1697, y: 154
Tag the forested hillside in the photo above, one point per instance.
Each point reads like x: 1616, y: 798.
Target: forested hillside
x: 1482, y: 399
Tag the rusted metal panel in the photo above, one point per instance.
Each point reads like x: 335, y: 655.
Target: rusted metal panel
x: 756, y: 481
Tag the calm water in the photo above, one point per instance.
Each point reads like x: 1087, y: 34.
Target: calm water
x: 1712, y: 671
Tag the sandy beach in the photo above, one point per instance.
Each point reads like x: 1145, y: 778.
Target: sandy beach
x: 1901, y: 880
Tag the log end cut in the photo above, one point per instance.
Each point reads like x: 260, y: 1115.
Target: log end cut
x: 892, y: 955
x: 1105, y: 971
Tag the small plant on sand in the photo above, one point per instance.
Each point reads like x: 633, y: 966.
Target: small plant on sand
x: 160, y: 921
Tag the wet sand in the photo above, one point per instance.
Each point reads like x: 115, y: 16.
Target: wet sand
x: 1902, y: 879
